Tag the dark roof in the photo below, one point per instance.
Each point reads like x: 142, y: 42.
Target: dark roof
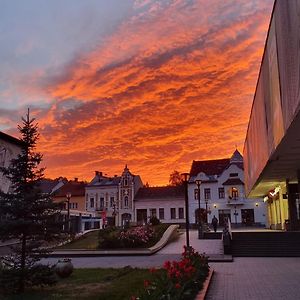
x: 76, y: 188
x: 209, y: 167
x: 233, y: 181
x: 160, y: 192
x: 10, y: 139
x: 105, y: 181
x: 46, y: 185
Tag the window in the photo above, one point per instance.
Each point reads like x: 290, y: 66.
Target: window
x: 126, y: 201
x: 196, y: 194
x: 173, y: 213
x: 233, y: 175
x: 112, y: 201
x: 101, y: 203
x: 161, y: 212
x: 92, y: 202
x: 206, y: 194
x: 221, y: 193
x: 180, y: 213
x: 234, y: 193
x: 152, y: 212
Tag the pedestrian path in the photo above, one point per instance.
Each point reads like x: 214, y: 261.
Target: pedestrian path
x: 214, y: 247
x: 255, y: 278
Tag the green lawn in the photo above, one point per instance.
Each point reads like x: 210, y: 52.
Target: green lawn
x: 90, y: 240
x: 87, y: 241
x: 104, y: 284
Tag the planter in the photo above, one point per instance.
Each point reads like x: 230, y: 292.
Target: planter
x: 64, y: 268
x: 202, y: 294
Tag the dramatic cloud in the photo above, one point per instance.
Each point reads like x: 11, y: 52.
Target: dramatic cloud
x: 174, y: 82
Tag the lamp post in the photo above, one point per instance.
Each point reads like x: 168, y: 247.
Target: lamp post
x: 68, y: 196
x: 206, y: 202
x: 185, y: 178
x: 198, y: 183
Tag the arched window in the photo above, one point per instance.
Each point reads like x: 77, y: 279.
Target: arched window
x: 126, y: 201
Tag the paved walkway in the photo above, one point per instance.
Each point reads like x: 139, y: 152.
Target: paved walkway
x: 207, y: 246
x: 260, y: 278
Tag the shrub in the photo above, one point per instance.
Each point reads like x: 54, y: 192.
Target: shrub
x: 178, y: 280
x: 37, y: 275
x: 136, y: 236
x: 154, y: 221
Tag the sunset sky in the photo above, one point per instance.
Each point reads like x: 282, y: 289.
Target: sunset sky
x: 151, y: 84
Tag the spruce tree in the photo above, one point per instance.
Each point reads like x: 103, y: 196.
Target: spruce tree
x: 26, y: 214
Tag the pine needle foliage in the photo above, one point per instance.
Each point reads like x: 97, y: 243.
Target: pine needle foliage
x: 27, y: 214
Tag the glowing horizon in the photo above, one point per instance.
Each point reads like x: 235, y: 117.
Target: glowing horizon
x: 151, y: 84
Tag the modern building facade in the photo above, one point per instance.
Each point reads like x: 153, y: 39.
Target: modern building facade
x: 222, y: 193
x: 272, y: 145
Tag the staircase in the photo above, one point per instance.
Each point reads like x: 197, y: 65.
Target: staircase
x: 212, y: 235
x: 285, y: 244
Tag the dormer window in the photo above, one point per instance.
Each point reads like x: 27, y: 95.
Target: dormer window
x: 233, y: 175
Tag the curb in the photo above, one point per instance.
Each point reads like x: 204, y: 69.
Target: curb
x: 202, y: 294
x: 168, y: 234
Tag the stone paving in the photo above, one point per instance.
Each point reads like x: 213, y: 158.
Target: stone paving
x: 207, y: 246
x: 259, y: 278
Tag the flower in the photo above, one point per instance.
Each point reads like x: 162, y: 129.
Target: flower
x: 152, y: 270
x: 146, y: 283
x: 177, y: 285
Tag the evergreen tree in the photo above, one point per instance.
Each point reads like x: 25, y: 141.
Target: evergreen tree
x: 26, y: 214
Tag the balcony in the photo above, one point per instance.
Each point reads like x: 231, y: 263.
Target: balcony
x: 235, y: 201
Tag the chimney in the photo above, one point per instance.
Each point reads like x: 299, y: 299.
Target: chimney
x: 96, y: 173
x: 76, y: 179
x: 100, y: 174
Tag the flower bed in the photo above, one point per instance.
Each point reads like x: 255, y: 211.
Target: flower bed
x: 178, y: 279
x: 135, y: 237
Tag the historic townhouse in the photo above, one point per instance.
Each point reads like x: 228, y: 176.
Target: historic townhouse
x: 222, y: 193
x: 113, y: 197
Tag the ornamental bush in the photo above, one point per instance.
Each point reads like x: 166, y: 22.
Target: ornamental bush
x: 178, y: 280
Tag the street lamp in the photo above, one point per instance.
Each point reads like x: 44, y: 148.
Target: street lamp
x: 198, y: 183
x: 206, y: 202
x: 68, y: 196
x: 185, y: 178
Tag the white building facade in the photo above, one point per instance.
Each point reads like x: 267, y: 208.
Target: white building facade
x: 113, y: 197
x: 222, y: 193
x: 166, y: 203
x: 10, y: 148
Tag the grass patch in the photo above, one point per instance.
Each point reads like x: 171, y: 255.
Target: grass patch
x: 88, y: 241
x: 104, y: 284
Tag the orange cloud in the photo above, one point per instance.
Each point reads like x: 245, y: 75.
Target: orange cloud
x: 174, y: 83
